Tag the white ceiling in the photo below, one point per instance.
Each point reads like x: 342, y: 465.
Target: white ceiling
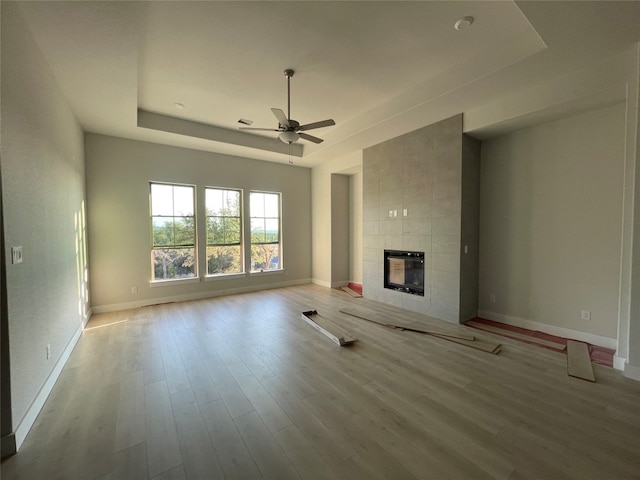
x: 367, y: 65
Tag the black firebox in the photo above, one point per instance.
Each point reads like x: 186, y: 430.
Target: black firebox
x: 404, y: 271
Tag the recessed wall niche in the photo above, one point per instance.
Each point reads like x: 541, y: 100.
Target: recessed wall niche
x: 421, y: 194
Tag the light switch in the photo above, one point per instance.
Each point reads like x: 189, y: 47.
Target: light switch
x: 16, y: 255
x: 404, y: 212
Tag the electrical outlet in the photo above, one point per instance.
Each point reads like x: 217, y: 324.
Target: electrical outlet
x: 48, y: 351
x: 16, y: 255
x: 586, y: 315
x: 492, y: 298
x: 134, y: 290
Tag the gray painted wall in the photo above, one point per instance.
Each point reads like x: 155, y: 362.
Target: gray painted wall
x: 355, y: 227
x: 469, y: 255
x: 321, y: 214
x: 339, y: 230
x: 422, y: 173
x: 551, y: 223
x: 118, y: 176
x: 43, y: 195
x: 6, y: 424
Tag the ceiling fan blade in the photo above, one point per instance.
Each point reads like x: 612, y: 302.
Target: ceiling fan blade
x: 282, y: 118
x: 311, y: 126
x: 310, y: 138
x: 262, y: 129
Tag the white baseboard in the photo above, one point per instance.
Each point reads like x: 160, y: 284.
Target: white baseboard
x: 632, y: 372
x: 322, y: 283
x: 114, y: 307
x: 591, y: 338
x: 29, y: 419
x: 619, y: 363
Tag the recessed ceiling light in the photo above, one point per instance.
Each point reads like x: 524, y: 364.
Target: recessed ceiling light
x: 179, y: 105
x: 463, y: 23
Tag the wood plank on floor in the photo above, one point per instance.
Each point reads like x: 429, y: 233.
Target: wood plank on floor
x: 578, y: 361
x: 461, y: 339
x: 384, y: 323
x: 508, y: 333
x: 327, y: 328
x: 351, y: 292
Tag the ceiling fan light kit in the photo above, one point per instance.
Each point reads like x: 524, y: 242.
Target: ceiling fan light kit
x: 288, y: 136
x: 290, y: 129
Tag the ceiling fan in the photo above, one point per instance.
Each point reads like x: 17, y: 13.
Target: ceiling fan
x: 290, y: 130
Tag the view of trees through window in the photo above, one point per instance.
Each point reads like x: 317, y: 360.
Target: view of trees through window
x: 173, y: 230
x: 173, y: 253
x: 265, y: 231
x: 224, y: 231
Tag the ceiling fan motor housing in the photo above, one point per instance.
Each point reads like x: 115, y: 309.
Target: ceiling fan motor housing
x: 292, y: 125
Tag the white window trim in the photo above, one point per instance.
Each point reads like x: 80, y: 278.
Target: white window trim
x: 207, y: 277
x: 168, y: 281
x: 223, y: 276
x: 173, y: 281
x: 279, y: 271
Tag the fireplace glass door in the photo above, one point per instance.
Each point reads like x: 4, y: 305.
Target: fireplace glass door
x: 404, y: 271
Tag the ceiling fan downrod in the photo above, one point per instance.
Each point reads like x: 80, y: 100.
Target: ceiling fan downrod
x: 289, y: 73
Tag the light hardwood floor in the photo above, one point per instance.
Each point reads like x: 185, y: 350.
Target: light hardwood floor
x: 239, y: 387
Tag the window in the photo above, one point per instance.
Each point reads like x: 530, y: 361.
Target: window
x: 173, y: 251
x: 265, y: 231
x: 224, y: 231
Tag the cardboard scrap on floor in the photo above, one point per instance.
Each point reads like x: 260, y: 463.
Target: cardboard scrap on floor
x: 330, y: 330
x: 579, y: 361
x: 459, y: 338
x: 351, y: 292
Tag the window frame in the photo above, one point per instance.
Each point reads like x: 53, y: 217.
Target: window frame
x: 240, y: 243
x: 251, y: 243
x: 174, y: 246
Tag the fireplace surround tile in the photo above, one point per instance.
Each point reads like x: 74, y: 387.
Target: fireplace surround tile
x: 422, y: 172
x: 417, y: 243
